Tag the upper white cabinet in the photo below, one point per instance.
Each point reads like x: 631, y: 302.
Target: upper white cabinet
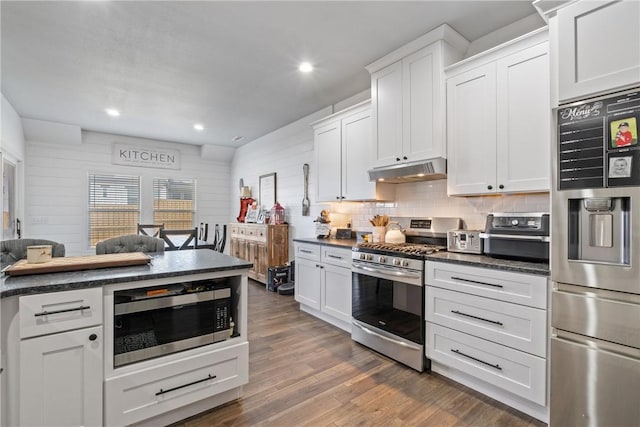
x: 498, y: 120
x: 597, y: 45
x: 408, y: 98
x: 343, y: 150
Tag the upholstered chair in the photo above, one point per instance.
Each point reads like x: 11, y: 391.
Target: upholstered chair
x: 16, y: 249
x: 129, y: 243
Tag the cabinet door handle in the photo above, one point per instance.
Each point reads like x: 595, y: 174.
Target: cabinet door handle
x: 495, y: 322
x: 397, y: 159
x: 496, y: 366
x: 46, y: 313
x: 489, y: 187
x: 476, y: 282
x: 501, y: 187
x: 93, y: 337
x: 404, y: 158
x: 209, y: 377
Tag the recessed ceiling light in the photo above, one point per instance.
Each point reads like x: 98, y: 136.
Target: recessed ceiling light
x: 305, y: 67
x: 112, y: 112
x: 198, y: 127
x: 237, y: 138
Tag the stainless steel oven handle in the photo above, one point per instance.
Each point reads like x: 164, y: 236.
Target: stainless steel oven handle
x: 515, y: 237
x: 390, y: 272
x: 396, y: 342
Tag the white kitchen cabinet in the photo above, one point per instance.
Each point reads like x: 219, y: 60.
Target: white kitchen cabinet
x: 61, y: 358
x: 408, y: 98
x: 343, y: 152
x: 307, y: 285
x: 487, y: 328
x: 323, y: 284
x: 61, y: 379
x: 597, y: 48
x: 498, y: 120
x: 141, y: 395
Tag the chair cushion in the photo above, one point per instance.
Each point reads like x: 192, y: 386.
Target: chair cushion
x: 130, y: 243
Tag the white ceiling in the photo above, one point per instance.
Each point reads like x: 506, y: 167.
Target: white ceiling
x: 231, y: 66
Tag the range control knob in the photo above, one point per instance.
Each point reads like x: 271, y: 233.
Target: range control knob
x: 514, y: 222
x: 382, y: 260
x: 363, y: 256
x: 396, y: 262
x: 369, y: 257
x: 405, y: 263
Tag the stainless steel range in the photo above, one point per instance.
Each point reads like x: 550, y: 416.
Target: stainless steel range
x: 388, y: 290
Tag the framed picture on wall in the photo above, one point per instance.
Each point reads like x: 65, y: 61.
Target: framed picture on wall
x: 267, y: 196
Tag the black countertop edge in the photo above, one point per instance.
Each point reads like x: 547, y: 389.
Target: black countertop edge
x: 169, y: 264
x: 339, y: 243
x: 538, y: 268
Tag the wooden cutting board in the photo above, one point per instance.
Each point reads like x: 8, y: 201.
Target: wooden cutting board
x: 77, y: 263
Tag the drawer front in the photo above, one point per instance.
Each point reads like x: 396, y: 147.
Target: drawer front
x: 50, y: 313
x: 336, y: 256
x: 235, y: 230
x: 308, y: 251
x: 517, y: 372
x: 519, y: 288
x: 522, y: 328
x: 257, y: 234
x: 140, y: 395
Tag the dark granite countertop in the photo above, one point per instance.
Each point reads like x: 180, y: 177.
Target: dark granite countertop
x: 340, y: 243
x: 168, y: 264
x: 484, y: 261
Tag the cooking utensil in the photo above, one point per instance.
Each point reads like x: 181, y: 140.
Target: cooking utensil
x: 305, y: 201
x: 395, y: 233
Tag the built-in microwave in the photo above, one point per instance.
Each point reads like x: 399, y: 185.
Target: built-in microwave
x: 154, y: 321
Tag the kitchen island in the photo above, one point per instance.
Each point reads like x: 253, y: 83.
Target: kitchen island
x: 60, y: 338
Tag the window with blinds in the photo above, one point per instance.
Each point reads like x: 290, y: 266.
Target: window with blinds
x: 174, y: 203
x: 114, y: 206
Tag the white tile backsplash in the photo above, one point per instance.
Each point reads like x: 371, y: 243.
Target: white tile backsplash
x: 429, y: 198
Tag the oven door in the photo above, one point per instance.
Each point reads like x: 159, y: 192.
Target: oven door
x: 388, y: 312
x: 154, y: 327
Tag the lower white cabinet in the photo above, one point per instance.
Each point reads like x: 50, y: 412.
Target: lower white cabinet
x: 61, y: 358
x: 61, y: 379
x: 323, y: 283
x: 517, y: 372
x: 487, y: 329
x: 146, y: 393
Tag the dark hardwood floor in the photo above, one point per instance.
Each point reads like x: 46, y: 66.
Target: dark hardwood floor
x: 305, y: 372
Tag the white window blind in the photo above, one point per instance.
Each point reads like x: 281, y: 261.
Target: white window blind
x: 174, y: 203
x: 114, y: 206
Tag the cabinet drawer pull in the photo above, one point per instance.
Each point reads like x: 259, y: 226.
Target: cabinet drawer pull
x: 46, y: 313
x: 305, y: 251
x: 334, y: 256
x: 209, y: 377
x: 495, y: 322
x: 496, y: 366
x: 476, y: 282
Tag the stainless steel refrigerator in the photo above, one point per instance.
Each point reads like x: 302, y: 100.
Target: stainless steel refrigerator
x: 595, y: 263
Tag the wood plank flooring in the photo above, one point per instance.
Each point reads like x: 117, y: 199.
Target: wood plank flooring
x: 304, y: 372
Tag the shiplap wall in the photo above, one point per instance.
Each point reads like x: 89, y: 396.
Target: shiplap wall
x: 56, y: 187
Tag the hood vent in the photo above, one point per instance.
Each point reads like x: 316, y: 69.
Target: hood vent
x: 424, y: 170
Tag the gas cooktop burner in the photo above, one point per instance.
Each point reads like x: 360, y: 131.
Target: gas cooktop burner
x: 403, y: 248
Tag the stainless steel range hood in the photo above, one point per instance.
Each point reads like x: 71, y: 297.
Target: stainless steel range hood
x: 424, y: 170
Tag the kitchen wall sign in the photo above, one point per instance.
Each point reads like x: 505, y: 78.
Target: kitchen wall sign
x: 127, y: 155
x: 267, y: 197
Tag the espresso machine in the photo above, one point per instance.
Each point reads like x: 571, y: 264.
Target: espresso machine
x: 595, y: 263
